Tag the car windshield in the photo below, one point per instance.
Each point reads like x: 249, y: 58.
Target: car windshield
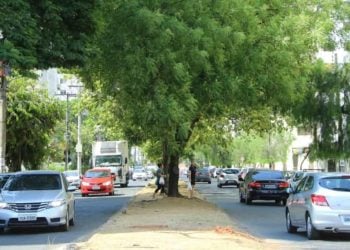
x: 97, y: 174
x: 71, y: 174
x: 339, y: 183
x: 34, y: 182
x: 230, y: 171
x: 108, y: 159
x: 261, y: 175
x: 298, y: 176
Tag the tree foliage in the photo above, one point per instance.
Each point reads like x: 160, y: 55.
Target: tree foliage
x: 32, y: 116
x: 171, y: 64
x: 43, y: 34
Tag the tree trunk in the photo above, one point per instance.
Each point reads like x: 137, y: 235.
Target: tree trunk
x: 173, y: 173
x: 16, y: 162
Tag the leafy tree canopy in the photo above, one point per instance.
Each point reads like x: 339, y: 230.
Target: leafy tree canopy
x: 171, y: 64
x: 43, y: 34
x: 32, y: 116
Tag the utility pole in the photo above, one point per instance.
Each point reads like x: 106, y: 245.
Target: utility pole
x: 4, y: 71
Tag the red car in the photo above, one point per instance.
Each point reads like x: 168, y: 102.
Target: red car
x: 97, y: 181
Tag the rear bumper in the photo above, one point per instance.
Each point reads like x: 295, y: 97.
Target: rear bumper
x: 268, y: 195
x: 326, y: 219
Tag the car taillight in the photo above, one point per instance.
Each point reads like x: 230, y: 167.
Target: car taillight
x: 319, y: 200
x: 254, y: 185
x: 283, y: 184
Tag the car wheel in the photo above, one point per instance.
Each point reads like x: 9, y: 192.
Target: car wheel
x: 83, y: 195
x: 248, y: 201
x: 65, y: 227
x: 2, y: 230
x: 72, y: 220
x: 311, y: 232
x: 284, y: 202
x: 290, y: 227
x: 209, y: 182
x: 241, y: 199
x: 219, y: 186
x: 277, y: 201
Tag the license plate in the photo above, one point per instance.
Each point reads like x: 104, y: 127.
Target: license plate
x: 346, y: 219
x: 27, y: 217
x: 270, y: 186
x: 95, y: 187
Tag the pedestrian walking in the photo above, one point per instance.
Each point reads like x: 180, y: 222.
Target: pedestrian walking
x: 160, y: 180
x: 191, y: 178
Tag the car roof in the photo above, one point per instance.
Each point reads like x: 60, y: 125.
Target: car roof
x: 326, y: 174
x: 30, y: 172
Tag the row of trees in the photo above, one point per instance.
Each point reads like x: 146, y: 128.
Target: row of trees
x: 179, y: 76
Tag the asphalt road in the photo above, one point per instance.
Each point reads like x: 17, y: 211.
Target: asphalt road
x: 265, y: 219
x: 91, y: 212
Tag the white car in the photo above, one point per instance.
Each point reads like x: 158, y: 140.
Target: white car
x: 37, y: 199
x: 73, y: 178
x: 228, y: 176
x: 139, y: 174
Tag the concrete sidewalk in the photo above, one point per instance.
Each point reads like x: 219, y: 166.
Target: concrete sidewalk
x: 171, y: 223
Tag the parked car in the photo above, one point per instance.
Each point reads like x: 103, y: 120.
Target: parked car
x: 37, y: 199
x: 73, y: 178
x: 227, y: 177
x: 4, y: 177
x: 97, y: 181
x: 203, y: 175
x: 320, y: 202
x: 139, y: 174
x: 263, y: 184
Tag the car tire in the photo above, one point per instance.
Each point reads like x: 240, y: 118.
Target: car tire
x: 209, y: 182
x: 72, y: 220
x: 289, y: 225
x: 241, y: 199
x: 248, y: 201
x: 83, y: 195
x: 284, y: 202
x: 65, y: 227
x: 219, y: 186
x: 2, y: 230
x: 311, y: 232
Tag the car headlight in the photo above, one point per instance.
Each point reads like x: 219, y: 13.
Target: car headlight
x: 107, y: 183
x: 84, y: 183
x: 57, y: 203
x: 3, y: 205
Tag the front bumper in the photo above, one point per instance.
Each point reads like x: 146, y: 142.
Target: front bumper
x: 49, y: 217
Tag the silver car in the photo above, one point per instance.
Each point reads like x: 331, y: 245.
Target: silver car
x: 37, y: 199
x: 320, y: 202
x: 228, y: 177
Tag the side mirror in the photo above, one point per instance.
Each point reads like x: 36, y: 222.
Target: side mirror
x: 289, y: 190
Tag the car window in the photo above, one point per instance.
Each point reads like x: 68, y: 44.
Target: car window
x: 338, y: 183
x: 261, y: 175
x: 96, y: 174
x: 309, y: 184
x: 297, y: 176
x: 300, y: 186
x: 230, y: 171
x: 34, y: 182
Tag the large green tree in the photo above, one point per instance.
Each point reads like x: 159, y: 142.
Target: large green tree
x: 47, y: 33
x: 171, y: 64
x: 32, y: 116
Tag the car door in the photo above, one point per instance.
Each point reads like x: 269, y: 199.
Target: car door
x: 295, y: 207
x: 304, y: 199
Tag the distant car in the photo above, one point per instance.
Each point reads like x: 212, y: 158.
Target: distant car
x: 150, y: 174
x: 243, y: 172
x: 296, y: 178
x: 228, y: 177
x: 203, y: 175
x: 217, y: 172
x: 97, y: 181
x: 3, y: 178
x: 139, y: 174
x: 320, y: 203
x: 73, y: 178
x: 263, y: 184
x: 37, y: 199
